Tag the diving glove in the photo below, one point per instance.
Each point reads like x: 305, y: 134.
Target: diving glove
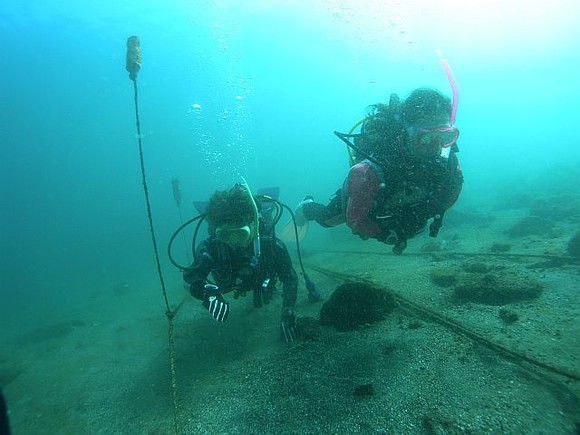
x: 288, y: 325
x: 263, y: 295
x: 399, y: 247
x: 299, y: 216
x: 214, y: 302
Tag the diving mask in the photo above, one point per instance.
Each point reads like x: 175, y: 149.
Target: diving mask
x: 236, y: 237
x: 441, y: 136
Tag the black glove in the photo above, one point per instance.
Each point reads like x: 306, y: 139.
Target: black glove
x: 215, y: 303
x: 288, y: 325
x: 263, y: 295
x: 435, y: 225
x: 393, y: 238
x: 399, y: 247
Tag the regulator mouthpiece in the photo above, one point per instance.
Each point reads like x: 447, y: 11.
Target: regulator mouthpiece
x: 133, y: 56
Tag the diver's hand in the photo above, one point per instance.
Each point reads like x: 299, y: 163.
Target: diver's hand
x: 399, y: 247
x: 215, y: 303
x: 288, y: 325
x: 299, y: 217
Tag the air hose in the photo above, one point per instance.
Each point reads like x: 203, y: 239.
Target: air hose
x: 256, y: 222
x: 313, y: 294
x: 349, y: 147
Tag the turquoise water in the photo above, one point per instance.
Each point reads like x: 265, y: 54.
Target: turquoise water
x: 251, y: 89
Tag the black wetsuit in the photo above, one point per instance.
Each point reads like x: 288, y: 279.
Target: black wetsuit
x: 238, y: 271
x: 411, y: 192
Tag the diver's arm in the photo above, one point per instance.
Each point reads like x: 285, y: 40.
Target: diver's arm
x: 452, y: 194
x: 329, y: 215
x: 195, y: 275
x: 286, y: 273
x: 448, y: 197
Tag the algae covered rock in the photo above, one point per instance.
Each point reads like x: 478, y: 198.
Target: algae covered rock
x: 487, y: 283
x: 354, y: 304
x: 497, y: 288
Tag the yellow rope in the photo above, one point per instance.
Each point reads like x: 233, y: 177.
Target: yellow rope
x: 171, y: 349
x: 132, y: 43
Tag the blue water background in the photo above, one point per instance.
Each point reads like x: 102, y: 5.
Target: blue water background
x: 252, y: 89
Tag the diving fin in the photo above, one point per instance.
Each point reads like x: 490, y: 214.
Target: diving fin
x: 200, y: 206
x: 287, y: 234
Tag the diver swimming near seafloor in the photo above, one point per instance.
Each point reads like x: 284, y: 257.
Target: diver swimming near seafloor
x: 243, y: 255
x: 404, y: 170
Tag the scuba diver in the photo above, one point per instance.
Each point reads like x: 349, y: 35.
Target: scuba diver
x: 243, y: 254
x: 404, y: 171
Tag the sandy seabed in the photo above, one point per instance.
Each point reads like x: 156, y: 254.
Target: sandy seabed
x: 102, y: 367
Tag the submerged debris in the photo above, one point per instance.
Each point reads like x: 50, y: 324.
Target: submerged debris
x: 355, y: 304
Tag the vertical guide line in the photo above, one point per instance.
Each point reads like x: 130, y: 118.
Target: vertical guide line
x: 168, y: 311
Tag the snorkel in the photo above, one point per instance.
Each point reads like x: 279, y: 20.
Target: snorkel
x: 445, y: 65
x: 452, y: 83
x: 255, y: 223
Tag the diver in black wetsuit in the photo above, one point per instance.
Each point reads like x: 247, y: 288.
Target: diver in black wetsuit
x: 243, y: 255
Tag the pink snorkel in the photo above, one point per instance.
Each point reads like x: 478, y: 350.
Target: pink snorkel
x: 453, y: 84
